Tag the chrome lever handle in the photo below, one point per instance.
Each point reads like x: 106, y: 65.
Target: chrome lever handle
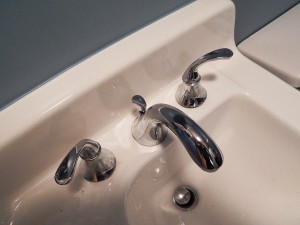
x: 190, y: 93
x: 191, y: 75
x: 87, y: 149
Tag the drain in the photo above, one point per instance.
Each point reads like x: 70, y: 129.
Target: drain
x: 185, y: 198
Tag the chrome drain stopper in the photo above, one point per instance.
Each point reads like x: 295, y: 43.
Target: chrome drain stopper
x: 185, y: 197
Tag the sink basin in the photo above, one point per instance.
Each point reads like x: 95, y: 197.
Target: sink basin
x: 257, y: 184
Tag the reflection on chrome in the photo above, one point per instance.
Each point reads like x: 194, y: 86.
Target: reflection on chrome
x: 150, y: 128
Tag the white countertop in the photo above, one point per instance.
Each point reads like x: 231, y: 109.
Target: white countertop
x: 276, y: 47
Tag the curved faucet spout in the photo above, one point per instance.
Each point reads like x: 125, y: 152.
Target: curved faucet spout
x: 148, y: 130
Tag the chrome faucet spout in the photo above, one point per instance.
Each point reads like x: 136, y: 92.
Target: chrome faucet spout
x: 149, y: 129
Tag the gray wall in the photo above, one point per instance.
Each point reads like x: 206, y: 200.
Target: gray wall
x: 40, y: 39
x: 251, y: 15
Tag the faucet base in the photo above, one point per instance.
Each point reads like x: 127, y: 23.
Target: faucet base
x: 190, y: 95
x: 100, y: 168
x: 155, y: 132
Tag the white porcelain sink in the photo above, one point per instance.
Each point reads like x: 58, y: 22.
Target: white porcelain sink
x: 81, y: 202
x: 257, y: 183
x: 252, y: 116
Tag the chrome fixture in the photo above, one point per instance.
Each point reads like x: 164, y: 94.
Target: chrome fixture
x: 190, y: 94
x: 185, y: 198
x: 99, y: 163
x: 150, y: 128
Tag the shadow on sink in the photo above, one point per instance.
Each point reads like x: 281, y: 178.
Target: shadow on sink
x: 258, y: 183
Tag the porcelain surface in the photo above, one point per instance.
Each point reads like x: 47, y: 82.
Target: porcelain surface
x: 276, y: 47
x: 252, y: 115
x: 256, y: 184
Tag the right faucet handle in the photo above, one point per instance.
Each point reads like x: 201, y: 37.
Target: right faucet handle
x: 190, y: 93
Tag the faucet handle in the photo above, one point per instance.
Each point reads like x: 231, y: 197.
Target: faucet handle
x: 191, y: 74
x: 65, y: 171
x: 140, y: 101
x: 96, y: 168
x: 190, y: 93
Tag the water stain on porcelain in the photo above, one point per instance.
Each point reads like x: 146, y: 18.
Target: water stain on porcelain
x: 159, y: 170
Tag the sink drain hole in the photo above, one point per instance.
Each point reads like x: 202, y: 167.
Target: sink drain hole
x: 185, y: 198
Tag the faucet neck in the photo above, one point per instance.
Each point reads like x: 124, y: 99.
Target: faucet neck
x: 149, y: 129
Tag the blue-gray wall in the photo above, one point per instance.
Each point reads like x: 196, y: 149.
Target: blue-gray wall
x: 251, y: 15
x: 40, y: 39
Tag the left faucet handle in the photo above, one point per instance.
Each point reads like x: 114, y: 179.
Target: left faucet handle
x: 65, y: 171
x: 99, y: 163
x: 140, y: 102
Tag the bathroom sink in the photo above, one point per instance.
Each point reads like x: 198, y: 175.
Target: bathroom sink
x: 250, y: 114
x: 257, y: 184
